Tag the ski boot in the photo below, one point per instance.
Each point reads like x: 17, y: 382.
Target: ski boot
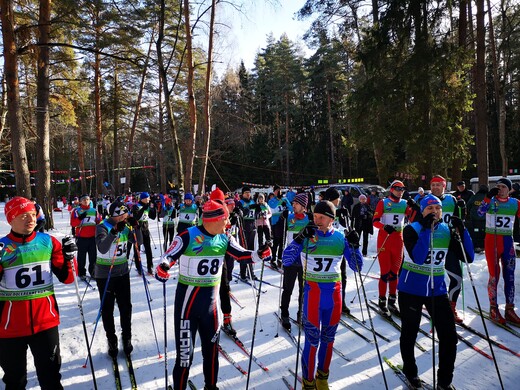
x: 495, y: 316
x: 127, y: 346
x: 112, y: 346
x: 150, y: 272
x: 453, y: 305
x: 449, y: 387
x: 210, y: 387
x: 415, y: 382
x: 308, y: 385
x: 511, y: 316
x: 273, y: 264
x: 228, y: 327
x: 382, y: 306
x: 392, y: 307
x: 286, y: 323
x: 322, y: 380
x: 345, y: 309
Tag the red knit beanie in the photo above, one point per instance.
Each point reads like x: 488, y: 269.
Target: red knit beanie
x: 217, y: 195
x: 16, y: 206
x: 214, y: 211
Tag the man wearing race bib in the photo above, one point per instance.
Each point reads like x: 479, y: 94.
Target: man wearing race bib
x: 416, y: 288
x: 450, y: 207
x: 113, y: 236
x: 200, y: 252
x: 83, y: 220
x: 319, y: 249
x: 278, y: 204
x: 188, y: 213
x: 143, y: 211
x: 389, y: 218
x: 248, y: 229
x: 29, y: 314
x: 500, y: 211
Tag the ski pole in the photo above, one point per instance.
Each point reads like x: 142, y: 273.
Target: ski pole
x: 371, y: 265
x: 360, y: 305
x: 432, y: 285
x: 465, y: 257
x: 80, y: 306
x: 371, y: 324
x: 300, y: 307
x: 165, y: 340
x: 104, y: 293
x: 254, y: 323
x: 148, y: 296
x: 159, y: 235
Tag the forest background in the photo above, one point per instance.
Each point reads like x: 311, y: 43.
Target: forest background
x: 107, y: 96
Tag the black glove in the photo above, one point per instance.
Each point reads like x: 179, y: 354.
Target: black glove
x: 255, y: 207
x: 82, y: 215
x: 389, y: 229
x: 284, y: 203
x: 238, y: 212
x: 342, y: 213
x: 120, y: 226
x: 461, y: 204
x: 457, y: 223
x: 68, y: 248
x: 492, y: 192
x: 413, y: 204
x: 285, y: 214
x: 307, y: 232
x: 132, y: 221
x: 427, y: 221
x: 353, y: 238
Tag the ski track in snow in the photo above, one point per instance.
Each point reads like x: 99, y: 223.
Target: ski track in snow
x: 473, y: 371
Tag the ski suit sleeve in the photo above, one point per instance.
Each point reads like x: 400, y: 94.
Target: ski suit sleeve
x: 378, y: 214
x: 353, y: 257
x: 417, y: 245
x: 59, y: 266
x: 291, y: 254
x: 75, y: 221
x: 467, y: 244
x: 104, y: 239
x: 152, y: 213
x: 177, y: 248
x: 484, y: 207
x: 237, y: 252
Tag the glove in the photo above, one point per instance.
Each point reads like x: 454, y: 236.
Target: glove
x: 82, y: 215
x: 492, y: 192
x: 307, y: 232
x: 284, y: 203
x: 461, y: 204
x: 413, y: 204
x: 68, y: 248
x: 389, y: 229
x: 342, y: 213
x: 427, y: 221
x: 233, y: 219
x: 238, y: 212
x: 132, y: 221
x: 457, y: 223
x: 264, y: 252
x: 353, y: 238
x: 161, y: 272
x: 285, y: 214
x: 120, y: 226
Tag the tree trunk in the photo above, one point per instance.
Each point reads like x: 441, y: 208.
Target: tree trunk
x: 162, y: 165
x: 167, y: 99
x: 331, y: 135
x: 20, y: 165
x: 97, y: 113
x: 116, y: 171
x: 43, y: 189
x: 499, y: 95
x: 480, y: 99
x: 287, y: 144
x: 207, y: 103
x: 190, y: 155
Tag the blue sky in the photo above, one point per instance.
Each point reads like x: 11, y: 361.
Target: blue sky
x: 247, y: 34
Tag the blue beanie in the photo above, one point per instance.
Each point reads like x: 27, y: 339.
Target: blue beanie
x: 189, y: 196
x: 429, y: 200
x: 144, y: 195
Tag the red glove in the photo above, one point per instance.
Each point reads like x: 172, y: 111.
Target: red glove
x: 264, y: 252
x: 161, y: 272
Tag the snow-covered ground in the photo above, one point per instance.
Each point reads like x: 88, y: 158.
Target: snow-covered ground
x: 473, y: 371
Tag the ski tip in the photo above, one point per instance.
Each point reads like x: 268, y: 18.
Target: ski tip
x: 84, y: 366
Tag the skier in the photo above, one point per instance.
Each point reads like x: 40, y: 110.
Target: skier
x: 248, y: 229
x: 29, y: 314
x: 200, y: 251
x: 188, y: 213
x: 389, y: 218
x: 296, y: 221
x: 319, y: 249
x: 263, y: 226
x: 464, y: 194
x: 500, y: 210
x: 143, y: 211
x: 476, y: 223
x: 112, y: 273
x: 83, y: 220
x: 278, y: 204
x: 170, y: 213
x: 415, y: 287
x: 450, y: 207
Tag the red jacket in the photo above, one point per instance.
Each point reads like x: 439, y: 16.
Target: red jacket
x: 27, y: 315
x: 86, y: 227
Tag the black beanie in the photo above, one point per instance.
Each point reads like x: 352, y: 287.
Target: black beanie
x: 326, y: 208
x: 505, y: 181
x: 246, y: 189
x: 332, y: 194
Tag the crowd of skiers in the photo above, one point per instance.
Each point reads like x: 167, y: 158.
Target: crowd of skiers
x: 310, y: 238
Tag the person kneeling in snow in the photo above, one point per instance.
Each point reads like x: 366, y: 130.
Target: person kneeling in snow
x: 200, y: 252
x: 319, y: 248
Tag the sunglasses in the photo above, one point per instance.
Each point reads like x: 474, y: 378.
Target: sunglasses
x: 398, y: 188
